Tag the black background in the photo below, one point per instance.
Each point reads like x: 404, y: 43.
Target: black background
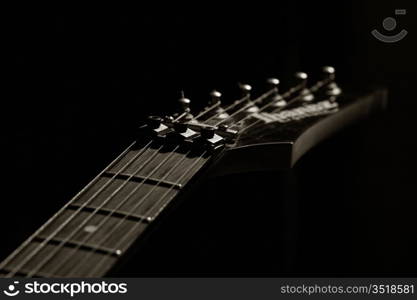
x: 80, y: 81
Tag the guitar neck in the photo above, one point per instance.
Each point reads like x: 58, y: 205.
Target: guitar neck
x: 87, y: 237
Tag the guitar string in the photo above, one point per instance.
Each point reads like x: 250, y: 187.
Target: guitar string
x: 30, y: 239
x: 230, y: 106
x: 62, y: 243
x: 91, y: 215
x: 93, y: 181
x: 265, y: 95
x: 155, y: 205
x: 237, y: 102
x: 208, y: 109
x: 199, y: 115
x: 108, y: 235
x: 313, y: 89
x: 44, y: 243
x: 142, y: 200
x: 23, y: 245
x: 260, y: 99
x: 136, y: 207
x: 138, y: 223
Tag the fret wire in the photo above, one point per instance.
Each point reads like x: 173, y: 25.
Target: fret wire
x: 106, y: 201
x: 138, y: 223
x: 41, y: 245
x: 28, y: 240
x: 137, y: 205
x: 19, y: 250
x: 47, y: 258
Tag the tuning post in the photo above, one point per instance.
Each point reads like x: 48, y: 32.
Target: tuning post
x: 156, y: 126
x: 154, y: 122
x: 305, y: 92
x: 184, y: 102
x: 215, y: 97
x: 273, y: 83
x: 332, y: 89
x: 301, y: 78
x: 180, y: 127
x: 208, y: 132
x: 245, y: 89
x: 329, y: 73
x: 185, y: 107
x: 278, y: 100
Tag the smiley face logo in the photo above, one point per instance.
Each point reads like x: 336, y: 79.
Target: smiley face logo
x: 11, y: 289
x: 390, y: 24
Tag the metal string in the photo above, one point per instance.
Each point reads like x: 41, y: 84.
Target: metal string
x: 135, y: 208
x: 138, y: 223
x: 262, y: 97
x: 28, y: 240
x: 80, y: 226
x: 44, y: 243
x: 313, y: 89
x: 210, y: 108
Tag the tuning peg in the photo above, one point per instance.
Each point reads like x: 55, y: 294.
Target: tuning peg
x: 215, y: 97
x: 208, y: 132
x: 329, y: 72
x: 301, y: 78
x: 332, y: 89
x: 306, y: 94
x: 154, y: 122
x: 246, y: 89
x: 185, y: 103
x: 273, y: 83
x: 180, y: 127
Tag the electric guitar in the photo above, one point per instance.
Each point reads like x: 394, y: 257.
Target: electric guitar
x: 96, y: 229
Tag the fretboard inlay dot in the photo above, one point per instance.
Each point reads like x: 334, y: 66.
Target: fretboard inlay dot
x: 90, y: 228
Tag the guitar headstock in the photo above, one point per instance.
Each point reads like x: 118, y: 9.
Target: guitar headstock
x: 272, y: 130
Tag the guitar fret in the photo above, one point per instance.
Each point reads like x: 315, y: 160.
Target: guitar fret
x: 60, y: 254
x: 100, y: 231
x: 126, y: 197
x: 138, y: 178
x: 19, y: 273
x: 168, y: 172
x: 108, y: 216
x: 106, y: 211
x: 72, y: 244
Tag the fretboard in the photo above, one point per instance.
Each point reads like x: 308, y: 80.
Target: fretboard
x: 90, y: 234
